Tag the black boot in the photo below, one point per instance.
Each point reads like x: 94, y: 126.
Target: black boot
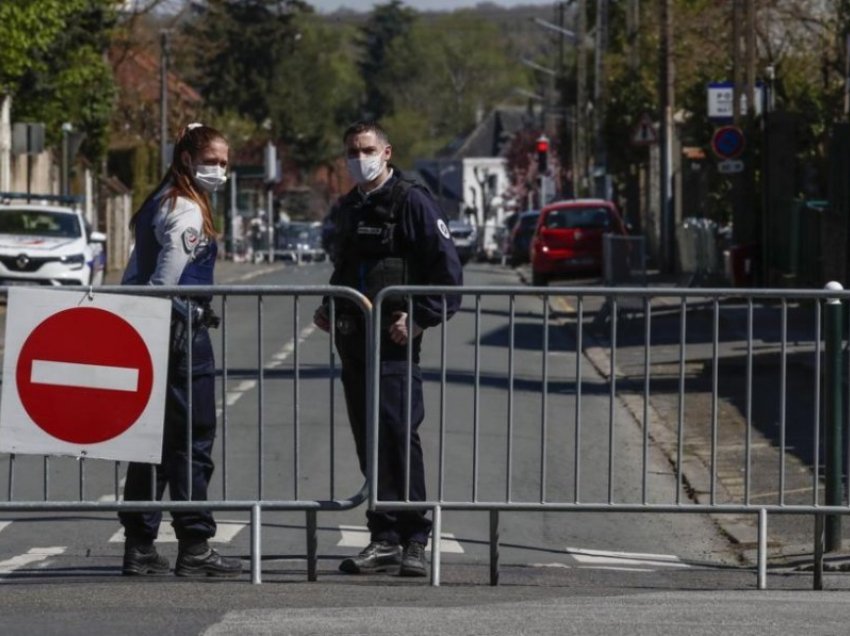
x: 200, y: 560
x: 378, y: 556
x: 141, y: 558
x: 413, y: 560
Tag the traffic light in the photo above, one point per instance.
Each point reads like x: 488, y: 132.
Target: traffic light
x: 542, y: 154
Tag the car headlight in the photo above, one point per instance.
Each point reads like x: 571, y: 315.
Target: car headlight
x: 74, y: 261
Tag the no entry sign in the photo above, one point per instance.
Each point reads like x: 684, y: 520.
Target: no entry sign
x: 84, y: 378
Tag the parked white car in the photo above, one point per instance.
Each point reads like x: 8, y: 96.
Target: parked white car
x: 49, y: 245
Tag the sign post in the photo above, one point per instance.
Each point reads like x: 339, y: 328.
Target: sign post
x: 85, y: 379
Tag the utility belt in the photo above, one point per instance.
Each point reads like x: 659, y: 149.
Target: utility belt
x: 353, y: 324
x: 202, y: 318
x: 349, y: 324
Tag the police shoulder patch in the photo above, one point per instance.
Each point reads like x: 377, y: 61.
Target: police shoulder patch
x: 441, y: 225
x: 191, y: 238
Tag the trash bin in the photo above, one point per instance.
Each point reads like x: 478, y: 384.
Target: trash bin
x: 740, y: 263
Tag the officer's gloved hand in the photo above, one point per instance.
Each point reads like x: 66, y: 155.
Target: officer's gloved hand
x: 398, y: 328
x: 321, y: 319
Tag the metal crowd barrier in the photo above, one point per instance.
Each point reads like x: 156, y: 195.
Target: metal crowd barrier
x: 259, y: 369
x: 787, y: 322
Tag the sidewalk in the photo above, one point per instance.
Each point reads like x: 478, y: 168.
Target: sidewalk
x: 790, y: 537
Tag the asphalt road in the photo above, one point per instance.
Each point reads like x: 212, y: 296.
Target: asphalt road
x: 589, y: 573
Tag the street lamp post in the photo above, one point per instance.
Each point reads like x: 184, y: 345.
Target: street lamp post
x: 64, y: 185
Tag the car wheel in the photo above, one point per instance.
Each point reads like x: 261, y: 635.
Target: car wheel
x: 538, y: 279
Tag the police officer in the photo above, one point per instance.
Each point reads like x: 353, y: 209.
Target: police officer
x: 388, y: 231
x: 175, y: 245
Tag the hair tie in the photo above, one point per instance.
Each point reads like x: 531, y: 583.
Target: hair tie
x: 193, y: 125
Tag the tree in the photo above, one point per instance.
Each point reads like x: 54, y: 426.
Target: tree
x: 448, y: 73
x: 63, y: 76
x: 236, y: 49
x: 386, y: 30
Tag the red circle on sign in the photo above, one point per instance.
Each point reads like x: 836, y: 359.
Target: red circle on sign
x: 96, y: 401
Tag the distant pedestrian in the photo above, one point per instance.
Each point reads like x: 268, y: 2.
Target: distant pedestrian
x: 175, y: 245
x: 388, y: 231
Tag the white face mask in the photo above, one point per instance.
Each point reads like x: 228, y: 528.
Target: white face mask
x: 366, y: 169
x: 210, y: 178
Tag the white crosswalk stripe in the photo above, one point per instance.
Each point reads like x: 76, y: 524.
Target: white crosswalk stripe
x: 358, y: 537
x: 634, y: 561
x: 226, y: 532
x: 34, y: 555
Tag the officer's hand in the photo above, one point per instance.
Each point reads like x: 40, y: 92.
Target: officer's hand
x: 398, y: 329
x: 320, y: 319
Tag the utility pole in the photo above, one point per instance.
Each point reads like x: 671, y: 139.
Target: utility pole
x: 667, y: 78
x: 580, y: 169
x: 164, y: 47
x: 750, y: 55
x: 599, y: 99
x: 737, y: 75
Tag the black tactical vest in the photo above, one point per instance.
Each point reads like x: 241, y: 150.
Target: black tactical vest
x: 372, y: 251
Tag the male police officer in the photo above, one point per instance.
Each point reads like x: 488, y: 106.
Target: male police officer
x: 389, y: 231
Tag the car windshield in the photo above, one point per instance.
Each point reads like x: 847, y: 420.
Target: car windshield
x: 39, y: 223
x: 579, y: 218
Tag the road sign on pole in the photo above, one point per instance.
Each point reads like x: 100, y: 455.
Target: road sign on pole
x: 85, y: 379
x: 644, y: 133
x: 728, y: 142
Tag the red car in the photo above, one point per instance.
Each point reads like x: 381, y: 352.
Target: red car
x: 568, y: 237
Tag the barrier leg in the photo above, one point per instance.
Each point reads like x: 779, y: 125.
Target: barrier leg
x: 436, y: 533
x: 311, y: 545
x: 817, y: 583
x: 256, y: 550
x: 762, y: 550
x: 494, y: 547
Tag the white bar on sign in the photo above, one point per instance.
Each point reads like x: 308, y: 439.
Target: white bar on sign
x: 87, y: 376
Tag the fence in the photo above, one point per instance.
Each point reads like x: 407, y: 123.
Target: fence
x: 679, y: 327
x: 551, y: 401
x: 49, y: 484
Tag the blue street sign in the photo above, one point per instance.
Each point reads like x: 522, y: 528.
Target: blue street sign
x: 728, y: 142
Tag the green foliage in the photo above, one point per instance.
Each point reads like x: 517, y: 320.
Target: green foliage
x: 272, y: 62
x: 66, y: 78
x: 315, y: 95
x: 239, y: 49
x: 449, y: 70
x: 28, y: 28
x: 386, y: 30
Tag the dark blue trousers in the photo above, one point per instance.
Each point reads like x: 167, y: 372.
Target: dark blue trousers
x: 402, y: 525
x: 174, y: 471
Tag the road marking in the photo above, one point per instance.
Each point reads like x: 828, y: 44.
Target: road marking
x: 34, y: 555
x: 565, y: 566
x: 225, y: 533
x: 358, y: 537
x: 281, y: 356
x: 235, y: 394
x: 259, y: 272
x: 87, y: 376
x: 111, y: 496
x: 4, y: 525
x: 618, y: 560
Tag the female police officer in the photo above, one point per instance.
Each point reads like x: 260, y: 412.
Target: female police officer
x: 175, y: 245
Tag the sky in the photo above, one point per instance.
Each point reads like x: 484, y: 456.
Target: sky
x: 421, y: 5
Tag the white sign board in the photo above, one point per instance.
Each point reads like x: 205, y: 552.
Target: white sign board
x: 730, y: 166
x: 84, y: 375
x: 721, y: 98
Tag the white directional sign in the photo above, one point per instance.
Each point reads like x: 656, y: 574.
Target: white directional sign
x: 84, y: 376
